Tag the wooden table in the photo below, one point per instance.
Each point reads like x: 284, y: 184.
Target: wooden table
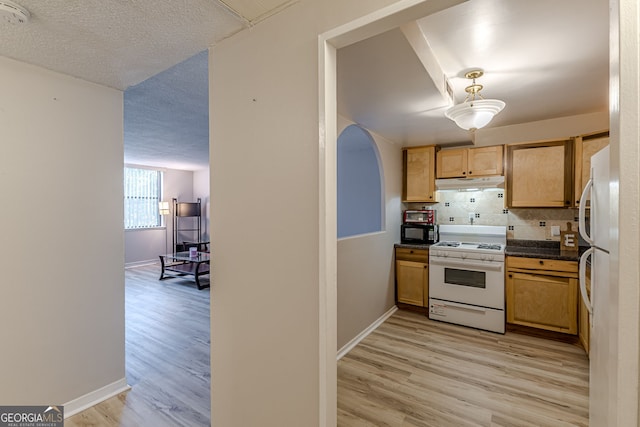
x: 184, y: 264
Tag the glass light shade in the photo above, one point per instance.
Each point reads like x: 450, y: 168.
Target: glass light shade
x: 474, y: 114
x: 163, y: 207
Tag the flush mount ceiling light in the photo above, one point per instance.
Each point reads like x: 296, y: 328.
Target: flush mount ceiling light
x: 475, y: 112
x: 13, y: 13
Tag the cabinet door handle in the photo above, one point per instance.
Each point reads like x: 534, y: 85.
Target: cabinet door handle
x: 470, y: 172
x: 541, y: 262
x: 464, y: 173
x: 410, y: 252
x: 511, y: 275
x: 425, y: 266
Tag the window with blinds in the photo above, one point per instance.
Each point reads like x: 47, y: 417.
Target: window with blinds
x: 142, y: 192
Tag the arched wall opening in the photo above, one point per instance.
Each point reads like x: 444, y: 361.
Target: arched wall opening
x: 360, y: 184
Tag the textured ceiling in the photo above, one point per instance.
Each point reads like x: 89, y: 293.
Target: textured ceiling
x: 166, y: 117
x: 253, y: 11
x: 117, y: 43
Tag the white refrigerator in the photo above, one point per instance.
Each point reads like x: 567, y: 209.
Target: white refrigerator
x: 602, y: 370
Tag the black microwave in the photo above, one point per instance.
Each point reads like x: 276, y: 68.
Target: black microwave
x: 419, y: 234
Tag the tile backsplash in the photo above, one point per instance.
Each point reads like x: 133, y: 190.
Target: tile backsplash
x: 488, y: 208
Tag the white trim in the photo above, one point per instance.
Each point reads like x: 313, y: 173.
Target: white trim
x: 327, y: 234
x: 624, y: 349
x: 93, y: 398
x: 136, y: 264
x: 362, y: 335
x: 359, y: 236
x: 153, y: 168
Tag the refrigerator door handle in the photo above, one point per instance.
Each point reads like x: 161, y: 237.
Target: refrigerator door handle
x: 582, y: 212
x: 583, y: 282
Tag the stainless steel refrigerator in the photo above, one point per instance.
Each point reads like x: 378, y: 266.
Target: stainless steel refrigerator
x: 595, y: 230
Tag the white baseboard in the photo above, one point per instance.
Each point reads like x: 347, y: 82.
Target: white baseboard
x: 141, y: 263
x: 93, y: 398
x: 362, y: 335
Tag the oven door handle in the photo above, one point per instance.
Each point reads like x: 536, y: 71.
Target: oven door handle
x: 466, y: 307
x: 471, y: 264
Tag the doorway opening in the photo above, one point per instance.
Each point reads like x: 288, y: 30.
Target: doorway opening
x: 166, y: 128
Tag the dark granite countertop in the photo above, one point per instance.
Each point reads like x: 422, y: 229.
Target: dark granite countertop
x: 412, y: 246
x: 546, y: 249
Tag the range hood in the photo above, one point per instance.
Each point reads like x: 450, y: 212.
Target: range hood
x: 470, y: 184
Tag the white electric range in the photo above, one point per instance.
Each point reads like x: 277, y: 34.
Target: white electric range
x: 466, y: 276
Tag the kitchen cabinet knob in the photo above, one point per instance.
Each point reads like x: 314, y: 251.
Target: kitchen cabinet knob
x: 541, y: 262
x: 470, y: 172
x: 410, y: 252
x: 425, y: 267
x: 511, y: 275
x: 464, y: 173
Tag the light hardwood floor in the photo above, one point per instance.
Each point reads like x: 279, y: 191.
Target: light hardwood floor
x: 409, y: 372
x: 167, y: 356
x: 415, y: 372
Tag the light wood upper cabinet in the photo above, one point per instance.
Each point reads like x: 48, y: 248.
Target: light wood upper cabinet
x: 470, y: 162
x: 412, y: 276
x: 419, y: 174
x: 452, y: 163
x: 540, y: 174
x: 585, y: 147
x: 541, y: 297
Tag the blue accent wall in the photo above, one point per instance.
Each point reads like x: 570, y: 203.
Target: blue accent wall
x: 360, y: 191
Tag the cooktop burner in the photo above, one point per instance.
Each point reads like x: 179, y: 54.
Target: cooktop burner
x: 449, y: 244
x: 470, y: 246
x: 481, y: 242
x: 492, y: 246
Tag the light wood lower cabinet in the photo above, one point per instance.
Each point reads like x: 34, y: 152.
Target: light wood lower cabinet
x: 542, y: 294
x: 412, y: 276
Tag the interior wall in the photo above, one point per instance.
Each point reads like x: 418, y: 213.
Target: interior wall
x: 265, y: 314
x: 144, y: 246
x: 366, y: 284
x: 62, y: 257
